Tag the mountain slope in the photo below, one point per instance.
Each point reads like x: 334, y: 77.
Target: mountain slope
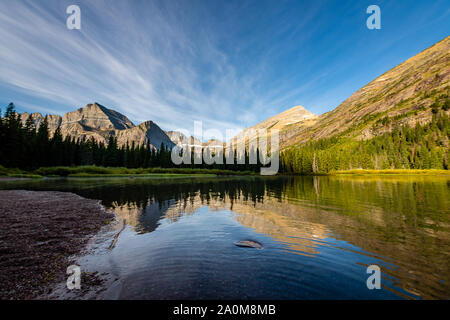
x: 402, y: 95
x: 147, y: 131
x: 296, y: 116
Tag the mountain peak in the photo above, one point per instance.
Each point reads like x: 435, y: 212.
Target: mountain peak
x: 95, y: 106
x: 293, y: 115
x: 298, y: 108
x: 98, y: 122
x: 298, y: 111
x: 96, y: 116
x: 297, y: 116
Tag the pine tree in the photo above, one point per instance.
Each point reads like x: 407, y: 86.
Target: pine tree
x: 42, y: 144
x: 56, y: 148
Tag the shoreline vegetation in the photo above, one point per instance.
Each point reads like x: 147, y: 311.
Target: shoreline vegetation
x: 430, y: 172
x: 97, y: 171
x: 161, y: 173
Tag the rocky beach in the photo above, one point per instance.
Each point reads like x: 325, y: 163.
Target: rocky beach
x: 41, y: 233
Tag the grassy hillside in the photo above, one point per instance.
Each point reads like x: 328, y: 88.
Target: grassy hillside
x: 405, y: 95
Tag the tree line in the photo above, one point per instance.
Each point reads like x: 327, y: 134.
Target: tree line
x: 419, y: 147
x: 26, y: 147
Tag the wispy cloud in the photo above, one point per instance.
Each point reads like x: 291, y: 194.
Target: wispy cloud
x: 136, y: 59
x: 230, y: 64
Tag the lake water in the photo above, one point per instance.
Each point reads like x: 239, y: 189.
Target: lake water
x: 318, y: 234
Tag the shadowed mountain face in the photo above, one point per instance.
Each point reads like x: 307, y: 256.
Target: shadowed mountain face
x: 97, y: 122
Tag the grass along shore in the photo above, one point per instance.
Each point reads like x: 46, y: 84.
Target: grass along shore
x: 94, y: 171
x: 391, y: 172
x: 99, y: 172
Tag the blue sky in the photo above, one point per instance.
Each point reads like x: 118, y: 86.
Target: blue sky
x: 230, y: 64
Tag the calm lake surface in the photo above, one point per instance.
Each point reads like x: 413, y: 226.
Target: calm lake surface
x: 318, y: 234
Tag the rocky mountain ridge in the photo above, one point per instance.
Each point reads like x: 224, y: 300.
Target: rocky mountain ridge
x: 97, y: 122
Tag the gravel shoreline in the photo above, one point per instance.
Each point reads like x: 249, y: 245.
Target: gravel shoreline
x: 39, y: 234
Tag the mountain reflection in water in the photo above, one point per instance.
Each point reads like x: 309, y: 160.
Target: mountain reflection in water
x: 319, y: 234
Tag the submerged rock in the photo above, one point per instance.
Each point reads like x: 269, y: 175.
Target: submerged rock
x: 249, y: 244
